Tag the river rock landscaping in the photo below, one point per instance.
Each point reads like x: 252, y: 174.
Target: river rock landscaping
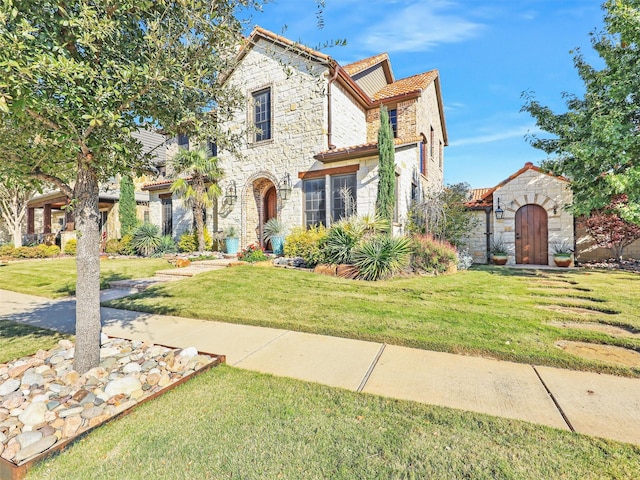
x: 44, y: 402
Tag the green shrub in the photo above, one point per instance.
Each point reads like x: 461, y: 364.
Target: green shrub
x: 125, y: 247
x: 188, y: 241
x: 25, y: 252
x: 431, y: 255
x: 70, y: 247
x: 7, y: 250
x: 167, y: 246
x: 112, y: 246
x: 146, y: 239
x: 341, y: 240
x: 381, y: 256
x: 253, y: 253
x: 53, y: 251
x: 40, y: 251
x: 306, y: 243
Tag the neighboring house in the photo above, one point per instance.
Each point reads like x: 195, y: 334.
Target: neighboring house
x: 527, y: 212
x: 311, y: 137
x: 48, y: 215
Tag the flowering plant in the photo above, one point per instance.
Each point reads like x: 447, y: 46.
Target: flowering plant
x: 252, y: 253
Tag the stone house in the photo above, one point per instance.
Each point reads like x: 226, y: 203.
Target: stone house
x: 309, y: 153
x: 526, y: 211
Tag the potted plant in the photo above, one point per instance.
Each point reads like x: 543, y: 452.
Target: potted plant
x: 499, y: 251
x: 274, y: 231
x: 231, y: 240
x: 562, y: 252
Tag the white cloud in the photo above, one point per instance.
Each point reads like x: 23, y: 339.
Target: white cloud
x: 518, y: 132
x: 420, y: 26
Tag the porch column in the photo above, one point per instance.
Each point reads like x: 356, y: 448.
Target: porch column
x: 31, y: 215
x: 69, y: 219
x: 46, y: 228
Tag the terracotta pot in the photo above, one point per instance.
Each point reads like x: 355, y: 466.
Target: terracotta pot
x: 562, y: 260
x: 499, y: 259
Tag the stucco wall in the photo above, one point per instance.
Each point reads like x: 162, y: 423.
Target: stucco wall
x: 588, y: 252
x: 348, y: 119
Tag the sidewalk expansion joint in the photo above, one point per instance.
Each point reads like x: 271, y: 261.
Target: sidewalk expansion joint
x: 553, y: 398
x: 365, y: 379
x: 260, y: 348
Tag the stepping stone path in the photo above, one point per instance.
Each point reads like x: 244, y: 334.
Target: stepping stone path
x: 602, y: 353
x: 598, y: 327
x: 44, y: 402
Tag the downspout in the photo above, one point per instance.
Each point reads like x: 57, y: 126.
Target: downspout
x: 330, y: 145
x: 487, y: 212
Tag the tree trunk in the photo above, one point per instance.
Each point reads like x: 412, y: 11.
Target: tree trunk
x: 17, y: 236
x: 88, y: 324
x: 198, y: 211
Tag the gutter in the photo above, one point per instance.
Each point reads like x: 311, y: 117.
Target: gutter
x: 330, y: 145
x: 487, y: 212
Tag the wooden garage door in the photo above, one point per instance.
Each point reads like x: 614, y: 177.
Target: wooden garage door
x: 532, y: 235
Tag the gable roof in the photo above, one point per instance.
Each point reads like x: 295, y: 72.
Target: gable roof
x: 483, y: 197
x: 414, y: 84
x: 360, y: 66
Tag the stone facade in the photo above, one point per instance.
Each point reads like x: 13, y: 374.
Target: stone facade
x: 529, y: 186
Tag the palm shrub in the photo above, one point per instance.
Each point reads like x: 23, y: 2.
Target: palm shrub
x: 307, y: 243
x: 146, y: 239
x: 381, y: 256
x: 430, y: 255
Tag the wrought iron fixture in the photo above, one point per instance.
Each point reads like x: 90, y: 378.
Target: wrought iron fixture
x: 230, y: 196
x: 499, y: 211
x: 555, y: 209
x: 284, y: 187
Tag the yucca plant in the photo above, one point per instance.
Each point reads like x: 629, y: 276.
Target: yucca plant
x: 146, y: 239
x: 341, y: 239
x: 166, y: 246
x: 381, y: 256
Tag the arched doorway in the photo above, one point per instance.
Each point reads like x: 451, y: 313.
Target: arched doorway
x: 532, y: 235
x: 270, y: 210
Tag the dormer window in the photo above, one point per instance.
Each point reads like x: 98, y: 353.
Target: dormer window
x: 262, y: 114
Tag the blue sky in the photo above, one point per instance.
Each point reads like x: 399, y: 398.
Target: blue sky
x: 487, y: 52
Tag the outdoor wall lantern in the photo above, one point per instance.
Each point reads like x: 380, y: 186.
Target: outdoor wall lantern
x: 555, y: 209
x: 284, y: 187
x: 499, y: 211
x: 231, y: 196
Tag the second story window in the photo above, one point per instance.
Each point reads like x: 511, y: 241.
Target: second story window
x: 393, y: 119
x: 262, y: 114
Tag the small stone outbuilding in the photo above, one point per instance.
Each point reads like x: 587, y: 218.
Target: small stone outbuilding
x: 527, y: 212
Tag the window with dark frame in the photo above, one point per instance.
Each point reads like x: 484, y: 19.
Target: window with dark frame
x: 432, y: 141
x: 183, y: 141
x: 440, y: 154
x: 341, y: 205
x: 167, y: 216
x: 393, y: 119
x: 262, y: 114
x: 314, y: 202
x: 423, y: 158
x: 213, y: 148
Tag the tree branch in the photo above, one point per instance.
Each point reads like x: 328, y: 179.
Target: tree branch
x: 52, y: 125
x: 58, y: 182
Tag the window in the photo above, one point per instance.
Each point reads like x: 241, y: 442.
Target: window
x: 213, y: 148
x: 262, y: 114
x: 393, y: 119
x: 414, y: 192
x: 423, y: 158
x: 167, y: 216
x: 343, y: 196
x: 183, y: 141
x: 314, y: 202
x: 432, y: 141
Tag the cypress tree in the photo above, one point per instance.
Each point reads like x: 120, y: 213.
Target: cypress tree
x: 385, y: 200
x: 128, y: 219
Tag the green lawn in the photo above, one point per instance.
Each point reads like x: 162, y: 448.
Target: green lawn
x: 496, y: 312
x: 231, y: 423
x: 57, y: 277
x: 18, y: 340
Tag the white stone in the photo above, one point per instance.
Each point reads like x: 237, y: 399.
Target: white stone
x: 33, y: 414
x: 108, y: 352
x: 188, y: 352
x: 125, y: 385
x: 131, y: 368
x: 27, y: 438
x: 9, y: 386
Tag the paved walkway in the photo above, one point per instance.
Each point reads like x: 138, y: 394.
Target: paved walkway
x: 590, y: 403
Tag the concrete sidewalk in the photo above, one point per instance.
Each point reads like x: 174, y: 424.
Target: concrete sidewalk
x: 595, y: 404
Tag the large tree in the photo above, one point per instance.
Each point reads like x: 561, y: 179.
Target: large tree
x: 197, y: 183
x: 386, y: 196
x: 596, y: 143
x: 80, y: 76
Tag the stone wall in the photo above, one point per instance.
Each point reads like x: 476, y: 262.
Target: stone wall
x: 476, y: 242
x: 349, y: 126
x: 532, y: 187
x: 427, y: 117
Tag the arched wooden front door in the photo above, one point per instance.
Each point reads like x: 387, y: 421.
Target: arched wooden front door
x: 270, y: 209
x: 532, y: 235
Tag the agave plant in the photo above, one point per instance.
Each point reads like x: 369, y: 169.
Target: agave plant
x: 146, y: 239
x: 273, y: 228
x: 167, y: 245
x: 381, y: 256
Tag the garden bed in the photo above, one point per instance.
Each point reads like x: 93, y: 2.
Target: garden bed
x: 45, y: 405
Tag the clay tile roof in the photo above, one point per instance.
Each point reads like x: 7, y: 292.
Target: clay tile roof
x: 478, y: 193
x: 361, y: 65
x: 157, y: 185
x: 416, y: 83
x: 363, y: 149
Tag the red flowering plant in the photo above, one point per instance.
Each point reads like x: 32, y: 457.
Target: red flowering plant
x: 252, y: 253
x: 609, y: 230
